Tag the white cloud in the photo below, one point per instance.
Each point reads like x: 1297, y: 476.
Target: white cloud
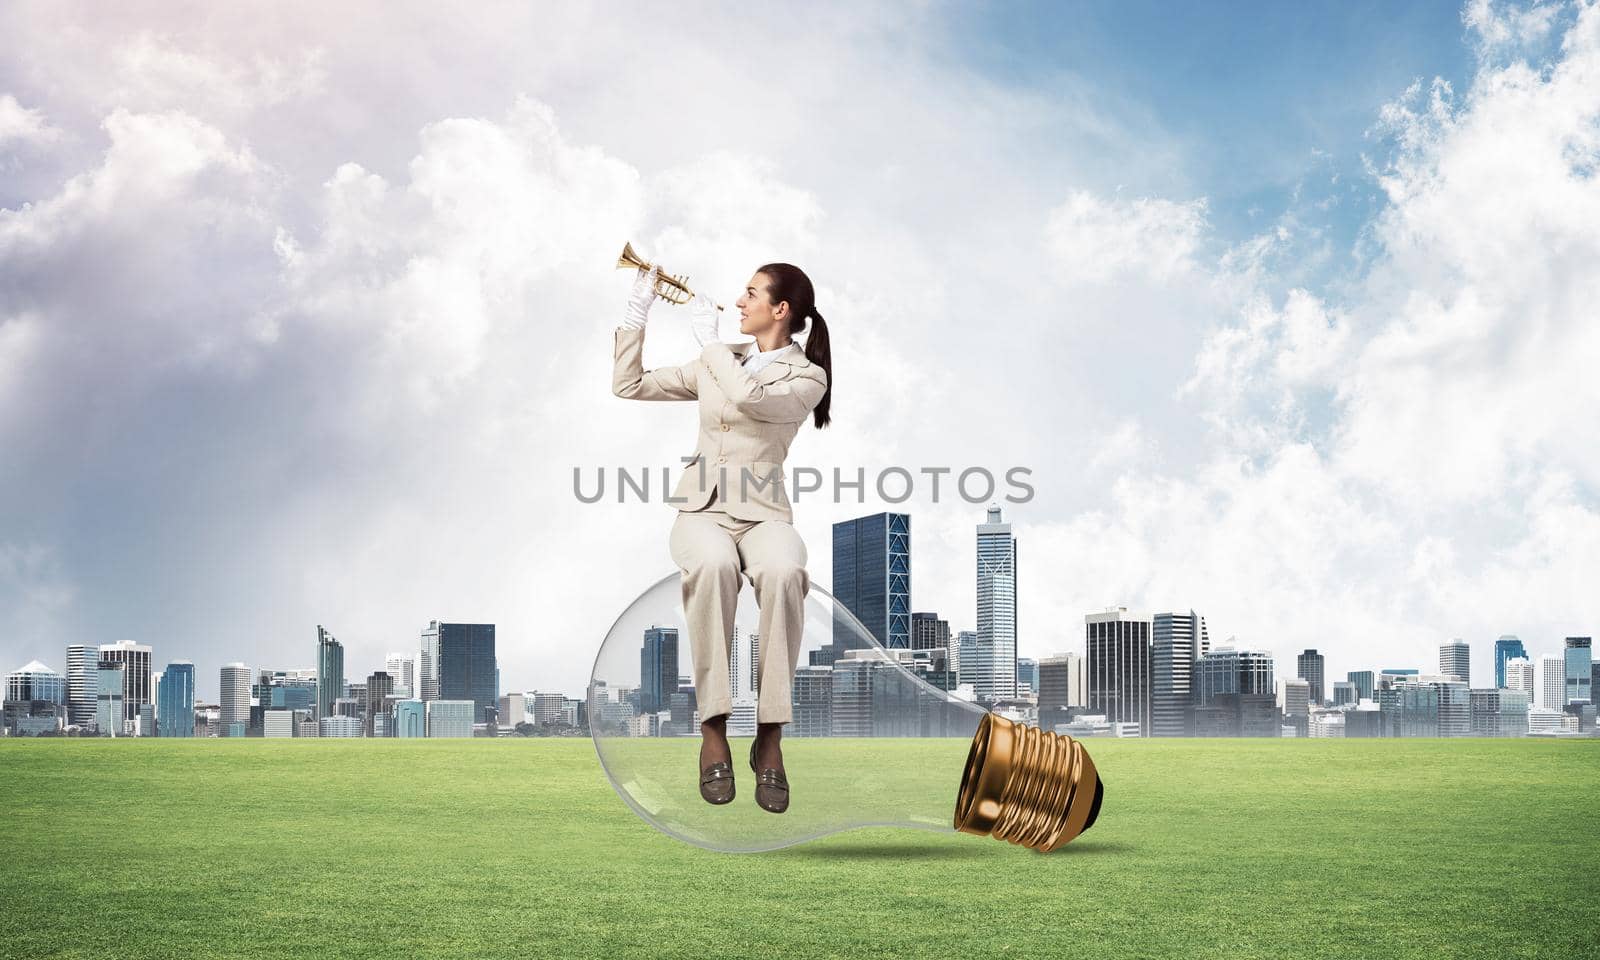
x: 22, y: 125
x: 1123, y: 447
x: 156, y: 69
x: 117, y: 269
x: 1095, y: 239
x: 1503, y: 32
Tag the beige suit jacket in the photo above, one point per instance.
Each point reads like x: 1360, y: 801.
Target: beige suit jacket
x: 746, y: 422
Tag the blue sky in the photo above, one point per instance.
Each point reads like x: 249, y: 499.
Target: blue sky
x: 1262, y: 96
x: 1253, y: 88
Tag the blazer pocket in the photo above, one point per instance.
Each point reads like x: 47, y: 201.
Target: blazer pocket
x: 767, y: 482
x: 766, y: 472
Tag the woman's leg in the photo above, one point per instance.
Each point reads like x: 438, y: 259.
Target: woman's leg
x: 774, y: 558
x: 709, y: 564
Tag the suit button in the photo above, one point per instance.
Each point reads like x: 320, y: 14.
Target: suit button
x: 724, y: 426
x: 722, y: 459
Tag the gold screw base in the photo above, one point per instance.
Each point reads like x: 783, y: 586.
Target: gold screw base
x: 1027, y: 786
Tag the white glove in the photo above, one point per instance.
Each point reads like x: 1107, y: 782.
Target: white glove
x: 644, y: 294
x: 703, y: 316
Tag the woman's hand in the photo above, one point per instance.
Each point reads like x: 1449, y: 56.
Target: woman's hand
x: 703, y: 316
x: 644, y: 294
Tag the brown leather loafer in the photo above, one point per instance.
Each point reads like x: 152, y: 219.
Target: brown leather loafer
x: 716, y: 783
x: 772, y: 787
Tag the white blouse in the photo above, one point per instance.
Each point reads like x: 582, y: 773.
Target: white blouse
x: 756, y: 359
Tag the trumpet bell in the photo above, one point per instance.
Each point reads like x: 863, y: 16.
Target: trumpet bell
x: 630, y: 259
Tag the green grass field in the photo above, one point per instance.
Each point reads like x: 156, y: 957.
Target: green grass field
x: 520, y: 848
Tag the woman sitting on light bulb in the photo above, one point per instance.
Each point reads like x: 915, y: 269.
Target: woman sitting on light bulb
x: 734, y: 515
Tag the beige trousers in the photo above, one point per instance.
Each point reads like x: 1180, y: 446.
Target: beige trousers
x: 711, y: 549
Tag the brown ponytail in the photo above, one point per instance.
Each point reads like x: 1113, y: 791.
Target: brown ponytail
x: 787, y: 282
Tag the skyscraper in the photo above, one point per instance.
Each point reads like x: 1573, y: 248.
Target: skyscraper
x: 996, y: 674
x: 546, y: 707
x: 108, y: 708
x: 1455, y: 659
x: 850, y: 698
x: 658, y: 669
x: 135, y: 659
x: 403, y: 668
x: 35, y: 681
x: 872, y: 577
x: 966, y: 656
x: 277, y: 724
x: 755, y: 663
x: 812, y: 699
x: 1366, y: 684
x: 1229, y: 669
x: 1506, y: 648
x: 928, y: 631
x: 1519, y: 676
x: 234, y: 716
x: 513, y: 709
x: 1061, y: 688
x: 145, y: 726
x: 380, y: 689
x: 448, y: 717
x: 428, y: 663
x: 1501, y: 712
x: 1119, y: 682
x: 1579, y: 675
x: 1178, y: 641
x: 1411, y: 709
x: 1553, y: 683
x: 35, y: 701
x: 1027, y: 675
x: 287, y: 690
x: 464, y: 656
x: 330, y: 672
x: 409, y: 719
x: 1235, y: 694
x: 1309, y: 666
x: 83, y: 683
x: 175, y: 700
x: 1429, y: 706
x: 1295, y: 697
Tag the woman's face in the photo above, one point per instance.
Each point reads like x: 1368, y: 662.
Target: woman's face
x: 756, y: 308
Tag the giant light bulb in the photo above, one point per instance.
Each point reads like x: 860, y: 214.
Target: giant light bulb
x: 876, y: 739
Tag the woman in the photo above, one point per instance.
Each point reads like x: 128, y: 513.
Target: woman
x: 733, y: 507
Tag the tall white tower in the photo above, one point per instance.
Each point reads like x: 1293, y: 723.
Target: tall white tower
x: 1553, y: 683
x: 1519, y: 675
x: 994, y: 676
x: 235, y: 699
x: 1455, y: 660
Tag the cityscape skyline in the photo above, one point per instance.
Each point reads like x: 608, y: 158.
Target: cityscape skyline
x: 1482, y: 650
x: 1152, y: 674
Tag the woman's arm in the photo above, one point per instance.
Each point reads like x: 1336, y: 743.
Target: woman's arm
x: 783, y: 401
x: 631, y: 381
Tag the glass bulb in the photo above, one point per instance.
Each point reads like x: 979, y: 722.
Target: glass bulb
x: 843, y: 754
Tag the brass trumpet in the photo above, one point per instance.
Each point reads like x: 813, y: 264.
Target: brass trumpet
x: 669, y: 288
